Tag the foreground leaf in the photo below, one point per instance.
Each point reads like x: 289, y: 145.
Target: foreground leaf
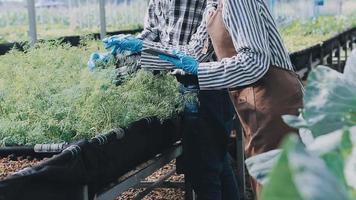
x: 301, y: 175
x: 350, y: 68
x: 261, y: 165
x: 329, y: 101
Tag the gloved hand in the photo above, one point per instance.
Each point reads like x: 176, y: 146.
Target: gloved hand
x: 96, y: 57
x: 121, y: 43
x: 184, y: 62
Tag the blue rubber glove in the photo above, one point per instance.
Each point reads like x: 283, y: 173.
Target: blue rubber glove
x: 184, y: 62
x: 96, y: 57
x: 121, y: 43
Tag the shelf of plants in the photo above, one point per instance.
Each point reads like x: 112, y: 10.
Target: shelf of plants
x: 49, y: 96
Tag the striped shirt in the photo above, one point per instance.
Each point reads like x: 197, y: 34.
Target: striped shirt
x: 256, y: 40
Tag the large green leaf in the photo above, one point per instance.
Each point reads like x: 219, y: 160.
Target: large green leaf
x: 350, y: 170
x: 335, y: 149
x: 261, y: 165
x: 338, y: 140
x: 350, y: 163
x: 281, y: 185
x: 350, y: 68
x: 302, y: 175
x: 329, y: 102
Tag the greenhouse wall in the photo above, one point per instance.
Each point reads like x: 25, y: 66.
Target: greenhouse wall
x: 56, y: 18
x: 288, y: 10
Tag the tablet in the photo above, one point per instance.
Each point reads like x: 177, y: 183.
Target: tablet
x: 157, y: 52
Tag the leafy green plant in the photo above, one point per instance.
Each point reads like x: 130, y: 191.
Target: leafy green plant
x: 302, y: 34
x: 325, y: 168
x: 48, y: 95
x: 329, y: 102
x: 300, y: 174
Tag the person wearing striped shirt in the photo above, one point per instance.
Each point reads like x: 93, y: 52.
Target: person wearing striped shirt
x: 257, y: 71
x: 208, y: 122
x: 253, y: 65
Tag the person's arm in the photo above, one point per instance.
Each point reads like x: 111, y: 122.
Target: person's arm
x: 199, y: 46
x: 151, y: 25
x: 246, y: 24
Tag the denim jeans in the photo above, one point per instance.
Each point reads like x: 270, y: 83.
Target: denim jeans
x: 207, y: 125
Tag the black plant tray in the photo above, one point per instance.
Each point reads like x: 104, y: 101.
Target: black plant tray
x: 37, y: 151
x: 94, y: 162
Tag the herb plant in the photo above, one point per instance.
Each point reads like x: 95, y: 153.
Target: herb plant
x: 48, y: 95
x: 302, y: 34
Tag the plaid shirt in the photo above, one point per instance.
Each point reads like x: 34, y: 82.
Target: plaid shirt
x: 172, y: 21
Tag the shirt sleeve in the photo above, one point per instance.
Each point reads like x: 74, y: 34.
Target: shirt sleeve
x: 199, y: 46
x: 245, y: 22
x: 151, y: 25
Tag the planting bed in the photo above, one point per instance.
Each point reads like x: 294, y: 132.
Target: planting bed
x: 73, y: 108
x: 11, y: 164
x: 94, y: 163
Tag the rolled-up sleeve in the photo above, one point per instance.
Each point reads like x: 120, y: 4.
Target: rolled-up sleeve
x: 248, y: 30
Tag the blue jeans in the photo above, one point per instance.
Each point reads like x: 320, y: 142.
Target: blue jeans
x: 207, y: 125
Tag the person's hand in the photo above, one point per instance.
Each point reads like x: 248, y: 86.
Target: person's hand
x: 184, y: 62
x: 97, y: 57
x: 120, y: 43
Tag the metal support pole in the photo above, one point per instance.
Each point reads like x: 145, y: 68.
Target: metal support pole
x: 346, y: 49
x: 85, y: 193
x: 321, y: 57
x: 189, y: 192
x: 32, y: 21
x: 316, y: 7
x: 340, y: 7
x: 339, y: 49
x: 352, y: 43
x: 102, y: 19
x: 272, y: 5
x: 240, y: 159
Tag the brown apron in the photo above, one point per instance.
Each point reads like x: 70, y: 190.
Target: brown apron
x: 260, y: 105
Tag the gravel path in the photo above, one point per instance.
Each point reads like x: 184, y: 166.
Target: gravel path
x: 159, y: 193
x: 10, y: 165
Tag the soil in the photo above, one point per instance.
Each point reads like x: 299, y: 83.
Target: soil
x: 9, y: 165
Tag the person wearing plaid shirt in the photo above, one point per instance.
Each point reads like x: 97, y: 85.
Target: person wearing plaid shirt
x: 207, y: 122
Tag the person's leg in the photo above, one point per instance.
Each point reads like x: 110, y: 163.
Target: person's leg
x: 228, y: 181
x: 202, y: 165
x: 199, y: 152
x: 216, y: 112
x: 201, y: 158
x: 205, y: 139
